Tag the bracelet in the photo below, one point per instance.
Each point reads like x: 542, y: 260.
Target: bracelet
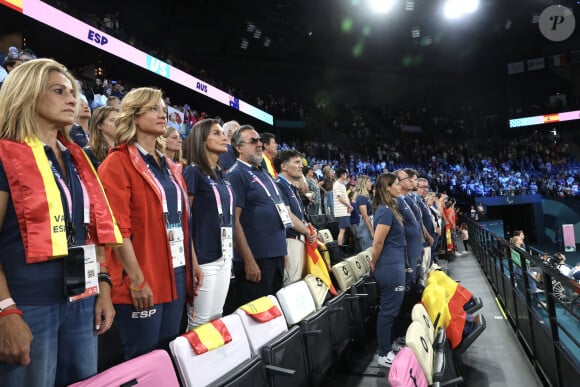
x: 138, y: 288
x: 6, y: 312
x: 105, y: 277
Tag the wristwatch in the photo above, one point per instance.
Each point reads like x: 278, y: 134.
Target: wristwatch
x: 5, y: 303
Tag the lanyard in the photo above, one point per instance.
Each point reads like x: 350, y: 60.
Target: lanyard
x: 255, y: 178
x: 68, y: 195
x: 218, y: 200
x: 300, y: 206
x: 162, y: 190
x: 164, y: 197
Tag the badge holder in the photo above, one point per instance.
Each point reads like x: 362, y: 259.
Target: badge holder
x: 74, y: 272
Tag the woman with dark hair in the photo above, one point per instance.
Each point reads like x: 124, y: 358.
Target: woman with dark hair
x: 102, y: 131
x: 212, y: 218
x: 153, y: 271
x: 54, y: 220
x: 388, y: 261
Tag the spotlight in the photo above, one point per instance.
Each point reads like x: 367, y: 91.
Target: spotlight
x: 410, y: 5
x: 415, y: 33
x: 250, y: 27
x: 381, y: 6
x: 267, y: 42
x: 244, y: 44
x: 454, y: 9
x: 257, y: 33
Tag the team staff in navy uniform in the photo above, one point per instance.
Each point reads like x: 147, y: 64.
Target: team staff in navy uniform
x: 388, y: 261
x: 413, y: 230
x: 260, y: 220
x: 212, y: 203
x: 288, y: 164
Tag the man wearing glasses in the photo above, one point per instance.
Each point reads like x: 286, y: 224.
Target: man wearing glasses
x: 428, y: 224
x: 261, y: 220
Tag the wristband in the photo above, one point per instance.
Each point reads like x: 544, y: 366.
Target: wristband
x: 6, y: 312
x: 138, y: 288
x: 5, y: 303
x: 105, y: 277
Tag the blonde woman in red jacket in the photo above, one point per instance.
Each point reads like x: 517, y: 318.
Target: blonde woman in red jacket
x: 155, y: 269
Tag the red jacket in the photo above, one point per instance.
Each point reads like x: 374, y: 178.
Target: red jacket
x: 136, y: 203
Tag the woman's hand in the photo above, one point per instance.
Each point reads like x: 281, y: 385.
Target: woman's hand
x: 104, y: 310
x: 142, y: 298
x: 197, y: 279
x: 15, y: 340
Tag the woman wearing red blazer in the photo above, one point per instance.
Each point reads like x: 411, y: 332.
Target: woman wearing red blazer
x: 154, y: 270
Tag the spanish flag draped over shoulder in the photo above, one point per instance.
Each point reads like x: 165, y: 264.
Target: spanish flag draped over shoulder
x: 270, y: 166
x: 208, y: 337
x: 315, y: 265
x: 452, y: 317
x: 457, y: 294
x: 37, y: 200
x: 262, y: 309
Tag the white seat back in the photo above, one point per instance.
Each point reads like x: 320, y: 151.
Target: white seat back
x: 296, y: 302
x: 203, y: 369
x: 419, y: 314
x: 325, y: 235
x: 417, y: 339
x: 343, y: 275
x: 318, y: 289
x: 260, y: 333
x: 357, y: 266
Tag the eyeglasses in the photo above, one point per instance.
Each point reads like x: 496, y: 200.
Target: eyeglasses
x: 253, y: 140
x: 423, y: 186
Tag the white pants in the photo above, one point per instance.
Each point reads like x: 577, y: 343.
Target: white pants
x: 295, y: 263
x: 211, y: 297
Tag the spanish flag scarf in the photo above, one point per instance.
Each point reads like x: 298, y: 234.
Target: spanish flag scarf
x: 38, y: 203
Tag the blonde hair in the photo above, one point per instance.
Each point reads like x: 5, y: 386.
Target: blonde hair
x: 97, y: 143
x: 168, y: 130
x: 361, y: 187
x: 135, y: 103
x: 19, y: 97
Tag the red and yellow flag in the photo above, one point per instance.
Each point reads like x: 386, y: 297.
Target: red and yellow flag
x: 37, y: 200
x: 451, y: 316
x: 208, y: 337
x: 315, y: 265
x: 456, y: 293
x: 262, y: 309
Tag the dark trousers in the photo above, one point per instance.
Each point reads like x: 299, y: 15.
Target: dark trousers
x: 271, y: 281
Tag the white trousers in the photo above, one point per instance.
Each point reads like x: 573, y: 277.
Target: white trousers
x: 211, y: 297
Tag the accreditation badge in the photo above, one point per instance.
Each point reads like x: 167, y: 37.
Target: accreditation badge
x: 175, y: 236
x: 91, y: 273
x: 284, y: 215
x: 226, y: 235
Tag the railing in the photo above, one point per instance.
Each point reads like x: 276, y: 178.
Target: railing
x: 541, y: 304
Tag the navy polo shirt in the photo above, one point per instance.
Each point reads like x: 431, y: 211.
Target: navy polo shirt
x: 412, y: 230
x: 78, y: 135
x: 205, y: 220
x: 362, y: 200
x: 38, y: 283
x: 291, y: 199
x: 425, y: 215
x: 393, y: 251
x: 260, y: 220
x: 227, y: 159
